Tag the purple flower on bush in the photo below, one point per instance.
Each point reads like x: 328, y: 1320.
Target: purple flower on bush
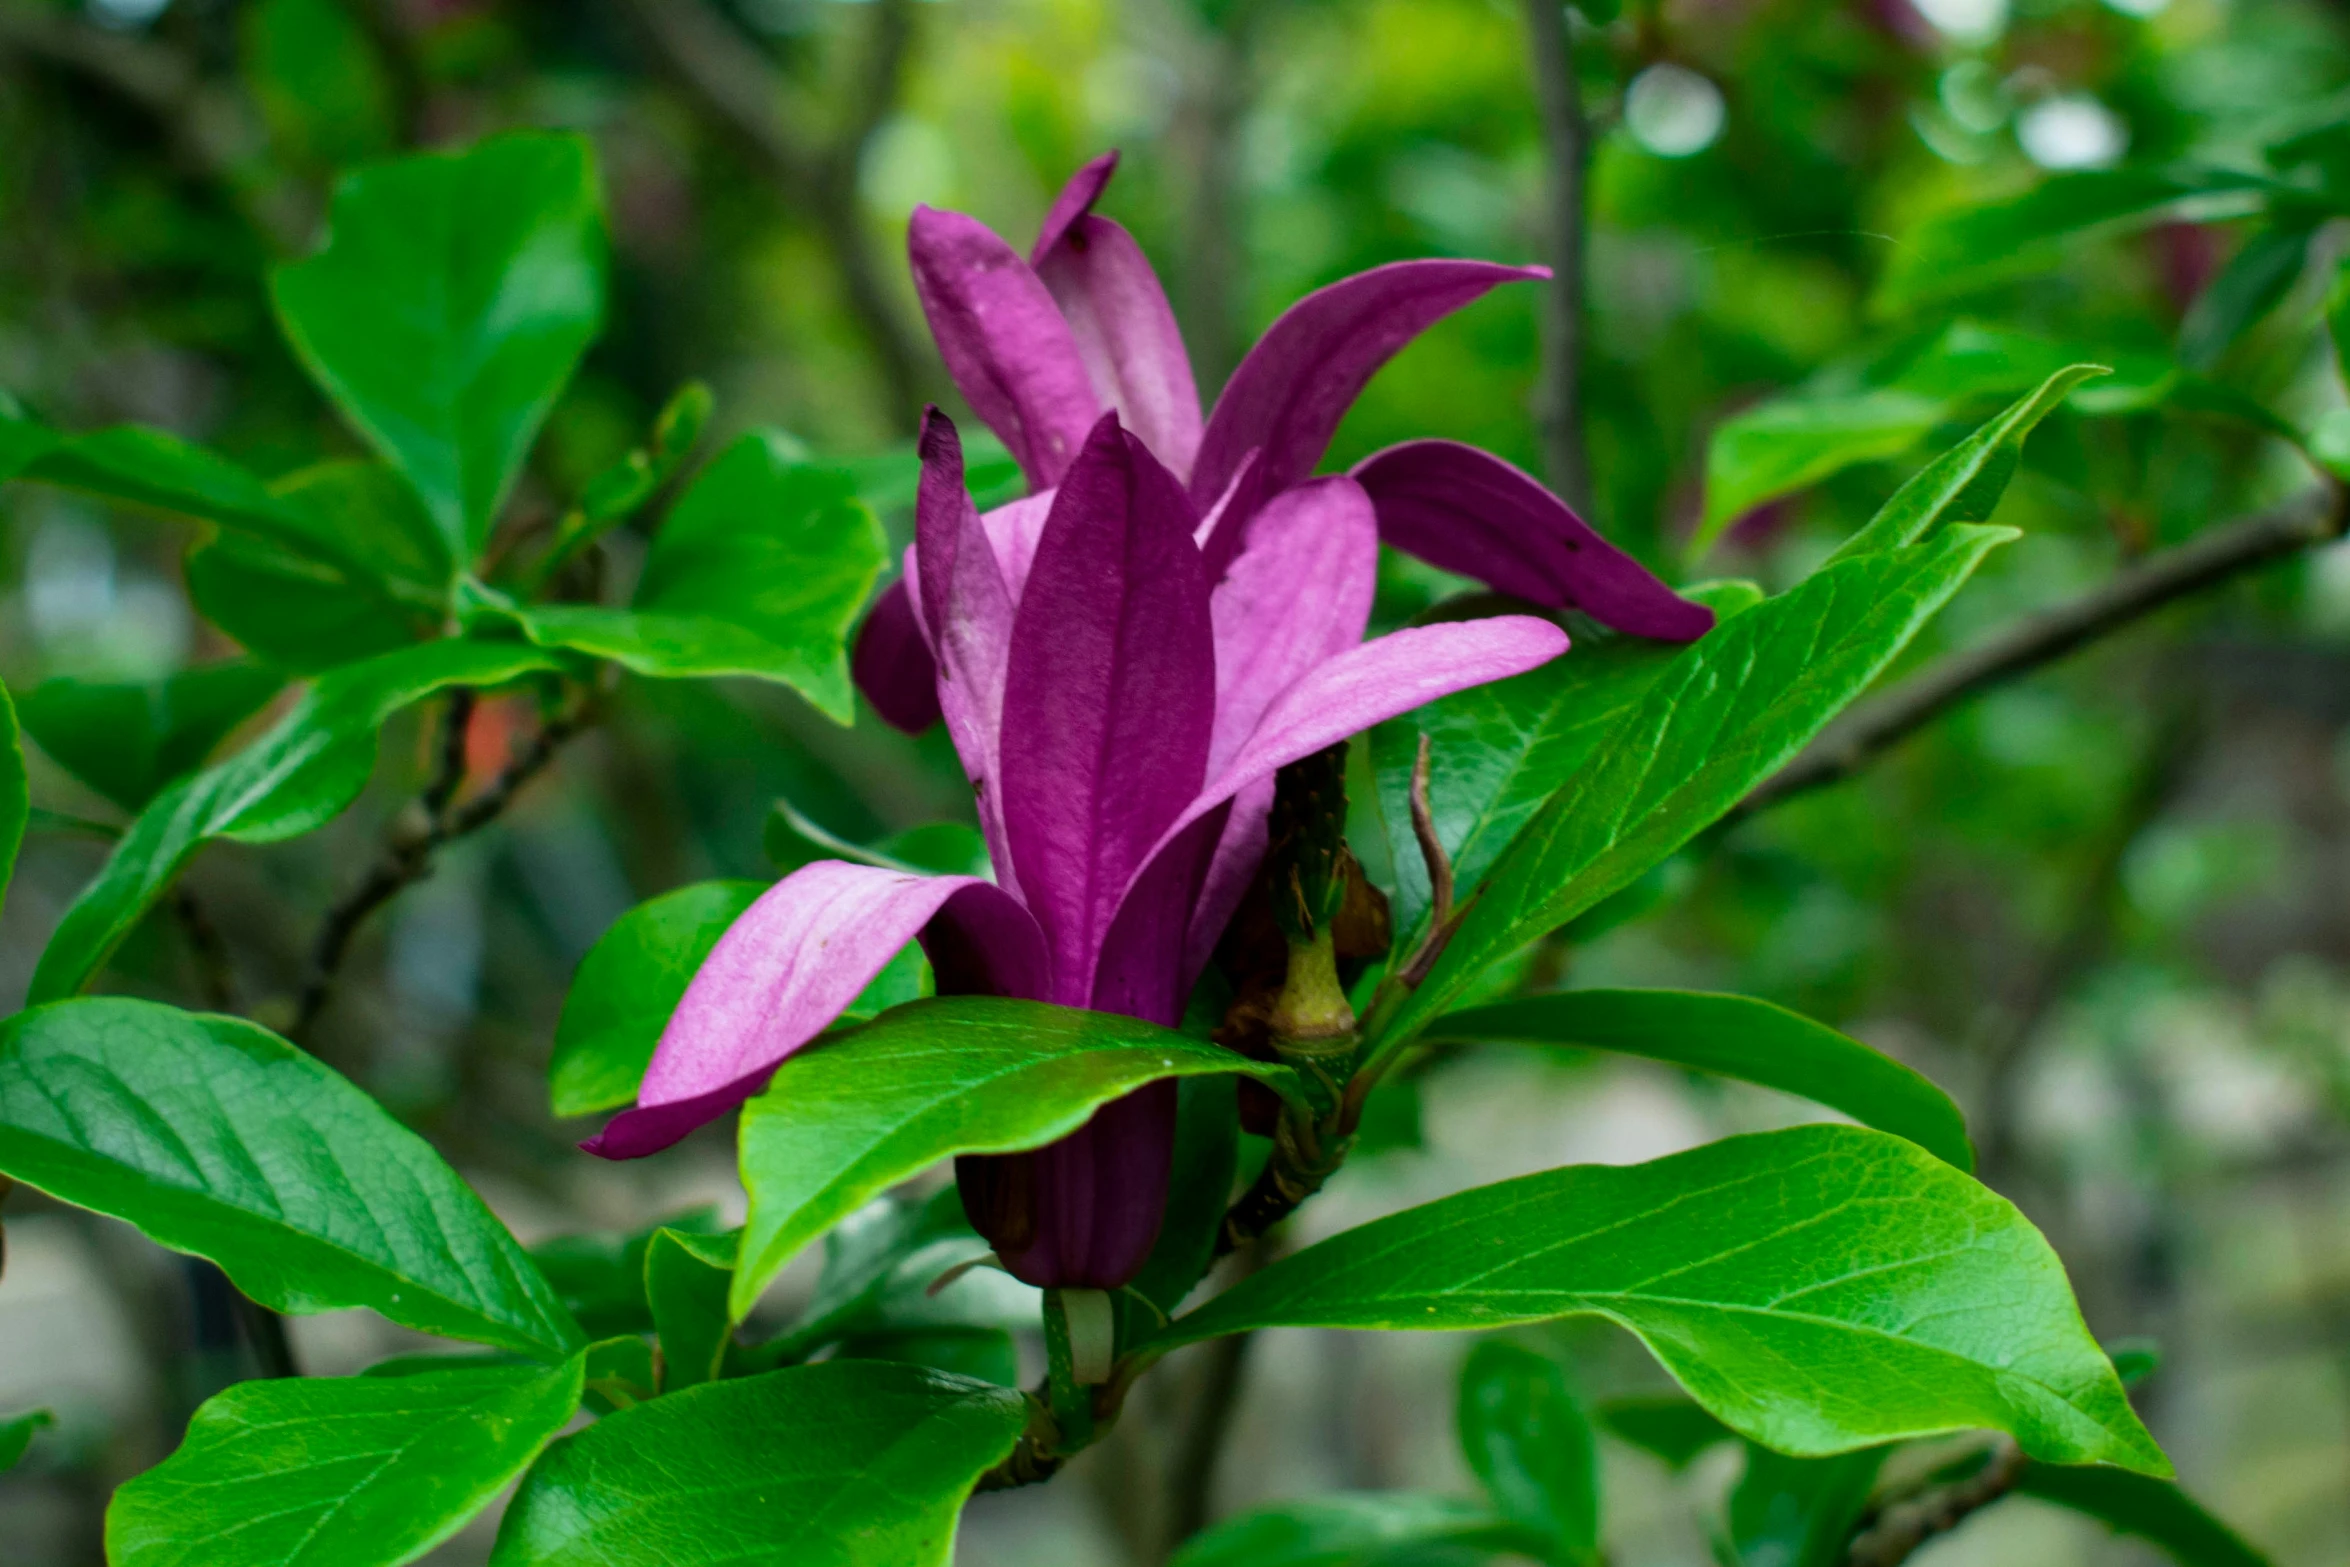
x: 1124, y: 660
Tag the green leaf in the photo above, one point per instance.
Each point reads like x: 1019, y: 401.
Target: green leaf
x: 620, y: 490
x: 637, y: 972
x: 1729, y: 711
x: 1975, y: 246
x: 1799, y: 1512
x: 217, y: 1138
x: 361, y: 1471
x: 16, y: 1435
x: 2153, y: 1510
x: 1819, y: 1289
x: 1364, y: 1529
x: 297, y: 607
x: 792, y: 840
x: 686, y: 1276
x: 450, y: 304
x: 1739, y: 1037
x: 2255, y: 282
x: 834, y: 1465
x: 322, y: 91
x: 866, y: 1262
x: 127, y: 740
x: 297, y: 777
x: 1792, y: 443
x: 1529, y: 1441
x: 1964, y: 484
x: 851, y: 1117
x: 759, y: 570
x: 16, y: 801
x: 1207, y: 1160
x: 1671, y: 1429
x: 983, y: 1354
x: 601, y: 1277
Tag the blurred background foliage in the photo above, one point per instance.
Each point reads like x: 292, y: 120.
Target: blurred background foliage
x: 2109, y: 905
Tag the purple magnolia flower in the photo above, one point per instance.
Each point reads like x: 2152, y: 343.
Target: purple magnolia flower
x: 1119, y: 708
x: 1041, y: 348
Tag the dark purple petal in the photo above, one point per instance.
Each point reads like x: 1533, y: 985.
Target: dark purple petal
x: 1124, y: 328
x: 1084, y: 1212
x: 1109, y: 701
x: 1298, y: 381
x: 1003, y: 340
x: 789, y: 965
x: 1468, y: 511
x: 893, y: 665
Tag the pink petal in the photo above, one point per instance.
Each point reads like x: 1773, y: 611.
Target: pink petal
x: 1003, y: 340
x: 1119, y: 315
x: 1240, y: 849
x: 893, y: 665
x: 1298, y: 381
x: 1468, y: 511
x: 1013, y: 529
x: 1110, y: 696
x: 792, y: 962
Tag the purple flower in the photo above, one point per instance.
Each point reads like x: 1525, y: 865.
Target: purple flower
x: 1041, y: 348
x: 1121, y: 711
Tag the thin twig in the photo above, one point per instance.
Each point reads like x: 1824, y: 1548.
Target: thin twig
x: 2130, y: 595
x: 1901, y: 1528
x: 1432, y: 853
x: 1566, y: 140
x: 407, y: 857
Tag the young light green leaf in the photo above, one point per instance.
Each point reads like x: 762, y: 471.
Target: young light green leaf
x: 1964, y: 484
x: 297, y: 777
x: 2156, y: 1511
x: 832, y: 1465
x: 1792, y: 443
x: 1974, y: 246
x: 1530, y: 1443
x: 16, y: 1435
x: 849, y: 1118
x: 367, y: 1471
x: 16, y: 801
x: 1728, y: 712
x: 1799, y: 1512
x: 1362, y: 1529
x: 760, y: 570
x: 128, y: 739
x: 1819, y: 1289
x: 450, y: 304
x: 1739, y: 1037
x: 635, y: 974
x: 686, y: 1275
x: 217, y: 1138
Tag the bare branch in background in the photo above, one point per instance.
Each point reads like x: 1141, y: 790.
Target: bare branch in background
x: 736, y: 85
x: 2130, y: 595
x: 1901, y: 1528
x: 1566, y: 140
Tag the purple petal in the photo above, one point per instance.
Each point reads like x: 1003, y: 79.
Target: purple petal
x: 1003, y: 340
x: 1297, y: 595
x: 1109, y: 700
x: 1226, y: 524
x: 789, y: 965
x: 1468, y: 511
x: 1239, y: 851
x: 893, y: 665
x: 1084, y: 1212
x: 1013, y: 529
x: 1298, y: 381
x: 1119, y: 315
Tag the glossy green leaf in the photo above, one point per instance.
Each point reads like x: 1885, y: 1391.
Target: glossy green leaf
x: 1671, y: 1429
x: 637, y: 972
x: 1819, y: 1289
x: 1792, y: 443
x: 1799, y: 1512
x: 16, y: 801
x: 845, y: 1464
x: 128, y: 739
x: 1530, y: 1443
x: 870, y: 1260
x: 1729, y: 711
x: 450, y: 304
x: 847, y: 1119
x: 933, y: 849
x: 1975, y: 246
x: 1964, y: 484
x: 983, y: 1354
x: 297, y: 777
x: 17, y: 1433
x: 759, y: 570
x: 321, y: 88
x: 217, y: 1138
x: 384, y: 583
x: 1497, y: 751
x: 686, y: 1276
x: 601, y: 1277
x: 1362, y: 1529
x: 368, y: 1471
x: 1739, y: 1037
x: 2156, y: 1511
